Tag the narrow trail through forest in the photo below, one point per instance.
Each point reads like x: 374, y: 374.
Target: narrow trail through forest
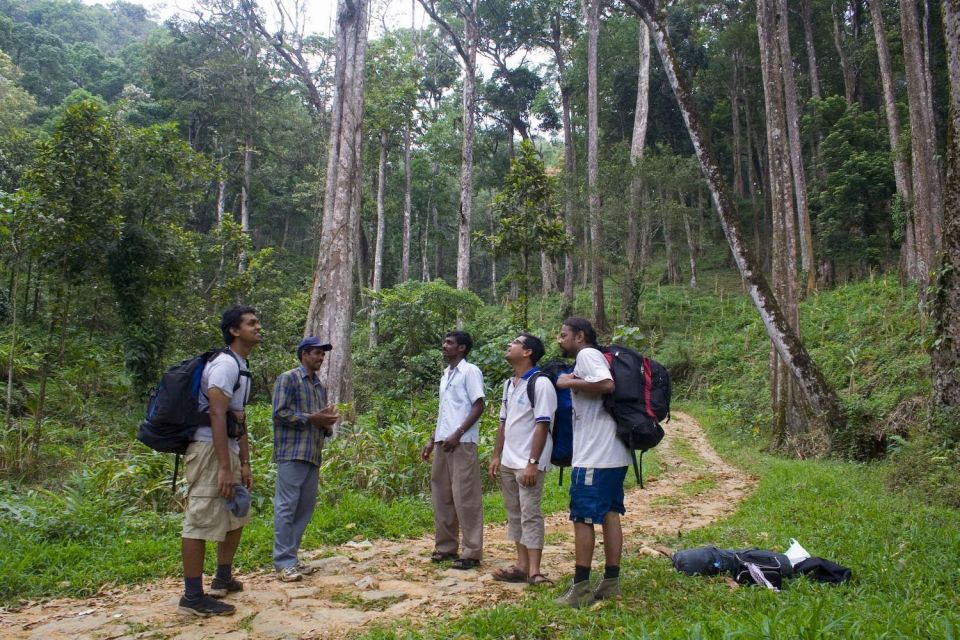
x: 360, y: 584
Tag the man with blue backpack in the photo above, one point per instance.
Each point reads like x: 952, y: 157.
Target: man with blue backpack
x: 599, y: 466
x: 217, y: 468
x: 522, y: 451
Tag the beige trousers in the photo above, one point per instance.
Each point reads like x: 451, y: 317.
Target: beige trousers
x: 457, y: 500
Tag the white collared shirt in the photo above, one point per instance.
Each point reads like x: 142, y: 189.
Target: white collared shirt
x: 460, y: 387
x: 520, y: 421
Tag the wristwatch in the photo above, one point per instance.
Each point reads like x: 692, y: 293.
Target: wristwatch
x: 533, y: 461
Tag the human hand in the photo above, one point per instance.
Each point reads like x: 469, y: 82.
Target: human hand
x: 225, y: 483
x: 451, y: 442
x: 529, y: 477
x: 494, y: 466
x: 564, y: 380
x: 246, y: 476
x: 426, y: 451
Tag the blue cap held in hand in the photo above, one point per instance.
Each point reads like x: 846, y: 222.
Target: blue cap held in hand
x: 239, y: 504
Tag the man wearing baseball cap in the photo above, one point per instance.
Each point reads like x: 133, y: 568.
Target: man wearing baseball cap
x: 302, y: 421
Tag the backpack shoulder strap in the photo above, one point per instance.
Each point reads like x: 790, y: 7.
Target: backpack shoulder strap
x: 241, y: 373
x: 531, y: 387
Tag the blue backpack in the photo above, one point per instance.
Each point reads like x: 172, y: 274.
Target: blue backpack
x: 562, y: 432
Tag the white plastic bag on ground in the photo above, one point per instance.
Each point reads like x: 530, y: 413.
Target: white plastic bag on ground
x: 796, y: 553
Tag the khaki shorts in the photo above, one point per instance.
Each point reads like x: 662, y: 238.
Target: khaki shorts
x: 206, y: 516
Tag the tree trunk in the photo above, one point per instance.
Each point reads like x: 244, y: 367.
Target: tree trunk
x: 548, y: 277
x: 672, y: 269
x: 783, y: 255
x: 927, y: 191
x: 245, y: 200
x: 692, y: 245
x: 591, y: 15
x: 821, y: 397
x: 570, y: 183
x: 407, y: 206
x: 11, y: 359
x: 424, y: 241
x: 804, y: 228
x: 331, y: 303
x: 735, y: 99
x: 632, y: 284
x: 378, y: 247
x: 812, y: 71
x: 466, y: 168
x: 945, y: 354
x: 846, y: 67
x: 900, y: 168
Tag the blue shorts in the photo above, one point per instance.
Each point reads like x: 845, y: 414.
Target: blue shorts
x: 596, y: 492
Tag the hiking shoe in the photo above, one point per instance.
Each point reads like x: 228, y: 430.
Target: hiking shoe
x: 608, y: 588
x: 289, y: 574
x: 219, y: 588
x: 205, y: 606
x: 305, y: 569
x: 578, y: 595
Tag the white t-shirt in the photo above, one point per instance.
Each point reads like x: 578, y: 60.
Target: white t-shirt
x: 460, y: 387
x: 221, y: 373
x: 520, y: 420
x: 595, y: 441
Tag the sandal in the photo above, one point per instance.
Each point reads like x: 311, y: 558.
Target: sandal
x: 539, y: 579
x: 439, y: 556
x: 465, y: 563
x: 513, y: 574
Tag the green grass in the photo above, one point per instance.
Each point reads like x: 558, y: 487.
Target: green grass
x: 903, y: 555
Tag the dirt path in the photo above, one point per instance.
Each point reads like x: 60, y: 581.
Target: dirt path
x: 358, y: 584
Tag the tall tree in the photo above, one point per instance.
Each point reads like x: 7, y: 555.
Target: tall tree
x: 927, y: 190
x: 636, y: 215
x: 797, y: 171
x: 561, y: 31
x: 813, y: 71
x: 946, y: 300
x: 900, y: 168
x: 820, y: 396
x: 464, y: 32
x: 774, y: 66
x: 591, y: 18
x: 331, y: 301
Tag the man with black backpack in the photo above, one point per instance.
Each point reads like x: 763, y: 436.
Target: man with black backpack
x: 600, y: 462
x: 521, y: 454
x: 217, y: 468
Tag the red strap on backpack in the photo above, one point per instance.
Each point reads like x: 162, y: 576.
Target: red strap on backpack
x: 647, y: 386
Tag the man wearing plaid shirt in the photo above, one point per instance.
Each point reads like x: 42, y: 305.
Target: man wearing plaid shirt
x: 302, y: 421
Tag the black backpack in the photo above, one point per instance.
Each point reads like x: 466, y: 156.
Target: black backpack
x: 639, y: 402
x: 770, y: 566
x: 173, y: 410
x: 562, y: 432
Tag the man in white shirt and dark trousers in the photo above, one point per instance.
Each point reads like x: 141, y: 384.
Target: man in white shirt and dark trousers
x: 521, y: 455
x: 455, y: 481
x: 600, y: 462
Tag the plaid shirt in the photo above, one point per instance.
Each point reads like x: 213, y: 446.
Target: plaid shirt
x: 296, y: 396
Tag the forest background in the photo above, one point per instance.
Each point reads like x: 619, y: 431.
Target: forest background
x: 153, y: 174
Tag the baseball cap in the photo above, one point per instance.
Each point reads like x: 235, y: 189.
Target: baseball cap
x: 312, y: 342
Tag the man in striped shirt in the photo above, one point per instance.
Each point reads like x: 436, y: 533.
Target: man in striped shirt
x: 302, y: 421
